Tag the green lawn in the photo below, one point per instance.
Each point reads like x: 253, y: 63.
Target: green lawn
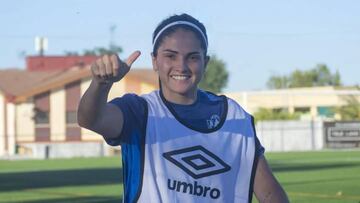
x: 62, y: 180
x: 329, y: 176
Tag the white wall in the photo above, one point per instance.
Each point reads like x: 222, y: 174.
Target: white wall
x: 290, y: 135
x: 10, y: 111
x: 65, y: 150
x: 25, y: 125
x: 2, y: 125
x: 57, y: 115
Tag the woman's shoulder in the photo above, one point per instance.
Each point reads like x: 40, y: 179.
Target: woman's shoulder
x: 235, y: 106
x: 129, y: 98
x: 207, y: 96
x: 212, y: 97
x: 131, y: 103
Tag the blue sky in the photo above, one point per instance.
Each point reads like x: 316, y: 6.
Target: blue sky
x: 256, y: 39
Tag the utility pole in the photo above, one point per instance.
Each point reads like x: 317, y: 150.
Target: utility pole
x: 112, y: 37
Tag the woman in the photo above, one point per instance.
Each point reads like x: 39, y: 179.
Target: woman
x: 179, y: 143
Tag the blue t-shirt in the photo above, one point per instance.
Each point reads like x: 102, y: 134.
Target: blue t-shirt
x: 203, y: 115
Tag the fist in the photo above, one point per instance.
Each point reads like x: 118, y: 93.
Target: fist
x: 110, y: 69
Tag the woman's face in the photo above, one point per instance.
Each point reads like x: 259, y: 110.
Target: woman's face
x: 180, y: 63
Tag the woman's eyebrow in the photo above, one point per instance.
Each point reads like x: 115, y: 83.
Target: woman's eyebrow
x: 169, y: 50
x: 194, y: 52
x: 176, y: 52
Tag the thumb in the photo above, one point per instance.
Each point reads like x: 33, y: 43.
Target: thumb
x: 132, y: 58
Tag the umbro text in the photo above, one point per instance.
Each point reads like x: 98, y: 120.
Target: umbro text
x: 193, y: 189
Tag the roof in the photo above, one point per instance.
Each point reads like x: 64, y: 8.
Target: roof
x: 24, y: 84
x: 48, y: 63
x: 15, y: 81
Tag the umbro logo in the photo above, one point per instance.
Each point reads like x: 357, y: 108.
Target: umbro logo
x: 197, y: 161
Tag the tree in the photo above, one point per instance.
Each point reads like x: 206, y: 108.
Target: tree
x: 318, y: 76
x: 277, y: 82
x: 350, y: 111
x: 98, y: 51
x: 270, y: 114
x: 216, y: 75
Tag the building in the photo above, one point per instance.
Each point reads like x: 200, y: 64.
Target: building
x: 311, y: 102
x: 38, y: 107
x: 317, y: 128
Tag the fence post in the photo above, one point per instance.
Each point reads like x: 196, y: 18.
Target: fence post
x: 312, y: 126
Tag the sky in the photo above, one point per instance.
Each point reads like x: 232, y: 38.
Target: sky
x: 256, y: 39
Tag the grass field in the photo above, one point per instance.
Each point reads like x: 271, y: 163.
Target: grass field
x: 329, y: 176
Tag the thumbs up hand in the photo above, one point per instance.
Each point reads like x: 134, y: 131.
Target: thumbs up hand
x: 110, y: 68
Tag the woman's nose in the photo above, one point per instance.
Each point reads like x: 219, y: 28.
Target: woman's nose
x: 182, y: 64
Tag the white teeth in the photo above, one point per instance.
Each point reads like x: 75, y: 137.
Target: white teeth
x: 179, y: 77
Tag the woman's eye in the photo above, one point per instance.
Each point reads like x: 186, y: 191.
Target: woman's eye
x: 195, y: 57
x: 170, y: 56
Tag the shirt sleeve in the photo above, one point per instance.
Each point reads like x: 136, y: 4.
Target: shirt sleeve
x: 133, y: 108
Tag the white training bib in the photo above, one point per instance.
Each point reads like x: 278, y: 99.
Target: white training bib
x: 187, y: 166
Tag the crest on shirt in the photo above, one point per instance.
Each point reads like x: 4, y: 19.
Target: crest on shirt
x: 213, y: 121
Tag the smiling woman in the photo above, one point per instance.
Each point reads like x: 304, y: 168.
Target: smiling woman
x: 179, y: 143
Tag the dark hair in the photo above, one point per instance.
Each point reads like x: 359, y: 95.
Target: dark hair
x: 172, y: 29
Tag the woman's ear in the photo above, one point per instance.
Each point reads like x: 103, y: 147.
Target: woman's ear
x: 153, y: 60
x: 207, y: 59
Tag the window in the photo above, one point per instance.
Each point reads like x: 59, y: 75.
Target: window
x: 41, y: 116
x: 42, y: 109
x: 280, y: 110
x: 71, y: 117
x: 326, y: 111
x: 302, y: 110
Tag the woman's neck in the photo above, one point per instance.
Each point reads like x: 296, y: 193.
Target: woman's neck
x: 184, y: 99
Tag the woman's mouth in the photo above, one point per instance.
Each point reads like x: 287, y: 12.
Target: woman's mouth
x: 180, y: 77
